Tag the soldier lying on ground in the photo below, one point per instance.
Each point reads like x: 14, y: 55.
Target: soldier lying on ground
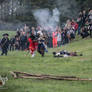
x: 65, y: 53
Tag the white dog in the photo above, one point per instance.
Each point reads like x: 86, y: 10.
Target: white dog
x: 2, y: 81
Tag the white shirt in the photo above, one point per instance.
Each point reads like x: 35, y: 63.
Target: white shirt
x: 59, y: 37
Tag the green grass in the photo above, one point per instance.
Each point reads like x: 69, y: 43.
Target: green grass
x: 75, y: 66
x: 11, y: 33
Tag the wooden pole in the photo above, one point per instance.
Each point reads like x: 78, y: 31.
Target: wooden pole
x: 42, y: 77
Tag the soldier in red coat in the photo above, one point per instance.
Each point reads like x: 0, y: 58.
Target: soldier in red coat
x: 32, y: 43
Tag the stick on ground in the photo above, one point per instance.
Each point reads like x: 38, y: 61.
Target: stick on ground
x: 39, y: 76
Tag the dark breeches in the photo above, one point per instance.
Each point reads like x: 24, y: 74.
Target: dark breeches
x: 4, y: 51
x: 41, y: 49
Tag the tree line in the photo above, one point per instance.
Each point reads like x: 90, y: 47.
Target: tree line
x: 21, y: 10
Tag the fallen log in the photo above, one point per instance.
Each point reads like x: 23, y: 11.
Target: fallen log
x: 42, y: 77
x: 39, y: 75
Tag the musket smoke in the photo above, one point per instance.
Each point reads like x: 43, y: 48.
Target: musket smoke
x: 47, y: 18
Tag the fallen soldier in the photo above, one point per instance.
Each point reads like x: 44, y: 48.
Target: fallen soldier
x: 65, y: 53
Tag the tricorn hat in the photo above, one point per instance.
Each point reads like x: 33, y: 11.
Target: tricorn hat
x: 5, y: 34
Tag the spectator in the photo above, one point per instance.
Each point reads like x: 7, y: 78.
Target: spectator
x: 84, y: 33
x: 59, y: 37
x: 90, y: 15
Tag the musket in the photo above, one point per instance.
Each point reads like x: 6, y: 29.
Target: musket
x: 1, y: 45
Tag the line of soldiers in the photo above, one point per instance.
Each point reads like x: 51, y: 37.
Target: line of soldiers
x: 35, y: 43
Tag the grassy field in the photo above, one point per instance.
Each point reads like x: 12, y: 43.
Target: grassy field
x: 11, y: 33
x: 76, y: 66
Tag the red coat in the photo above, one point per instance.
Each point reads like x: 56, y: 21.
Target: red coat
x: 54, y: 35
x: 75, y: 25
x: 32, y: 45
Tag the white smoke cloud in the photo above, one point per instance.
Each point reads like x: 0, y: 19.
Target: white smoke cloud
x: 47, y: 18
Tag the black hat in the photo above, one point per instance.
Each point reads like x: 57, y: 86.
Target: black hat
x: 5, y: 34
